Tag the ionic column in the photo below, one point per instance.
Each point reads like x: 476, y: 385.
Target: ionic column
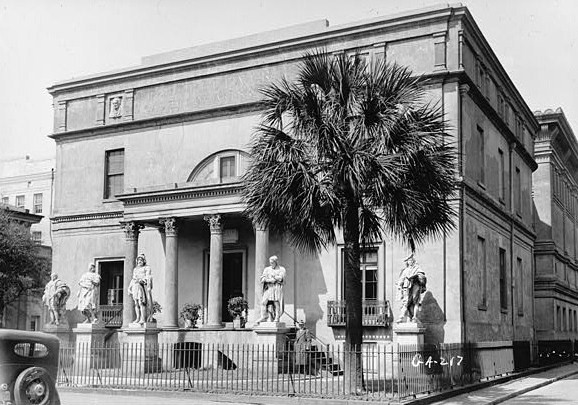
x: 215, y: 302
x: 131, y: 231
x: 170, y: 320
x: 261, y: 261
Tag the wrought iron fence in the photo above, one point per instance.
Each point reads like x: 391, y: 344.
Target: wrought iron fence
x: 388, y: 372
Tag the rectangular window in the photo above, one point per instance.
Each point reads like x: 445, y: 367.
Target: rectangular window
x: 37, y: 237
x: 481, y: 250
x: 501, y: 175
x: 503, y: 281
x: 114, y: 171
x: 482, y: 155
x: 227, y: 167
x: 20, y: 200
x: 37, y: 201
x: 35, y: 323
x: 564, y: 328
x: 518, y: 192
x: 520, y: 271
x: 368, y: 269
x: 6, y: 200
x: 558, y: 318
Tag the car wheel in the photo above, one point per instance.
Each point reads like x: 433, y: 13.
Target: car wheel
x: 34, y: 386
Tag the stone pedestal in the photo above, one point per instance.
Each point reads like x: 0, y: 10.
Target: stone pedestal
x: 272, y: 336
x: 89, y: 346
x: 140, y: 349
x: 62, y: 332
x: 408, y: 333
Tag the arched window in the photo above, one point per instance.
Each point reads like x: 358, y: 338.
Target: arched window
x: 222, y: 167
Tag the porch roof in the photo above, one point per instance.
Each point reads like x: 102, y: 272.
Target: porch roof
x: 182, y: 200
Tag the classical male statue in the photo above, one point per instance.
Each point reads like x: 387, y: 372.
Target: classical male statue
x: 410, y: 285
x: 140, y: 290
x: 87, y: 297
x: 272, y: 280
x: 56, y: 293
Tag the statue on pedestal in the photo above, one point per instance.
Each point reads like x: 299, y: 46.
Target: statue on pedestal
x: 410, y: 285
x: 140, y: 290
x: 272, y: 280
x: 87, y: 294
x: 56, y: 293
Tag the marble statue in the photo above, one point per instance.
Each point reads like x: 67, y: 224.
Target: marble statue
x: 410, y: 285
x: 140, y: 290
x: 87, y: 295
x: 272, y: 280
x: 56, y: 293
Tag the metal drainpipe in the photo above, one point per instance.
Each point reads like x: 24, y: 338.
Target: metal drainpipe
x: 512, y: 216
x: 463, y: 90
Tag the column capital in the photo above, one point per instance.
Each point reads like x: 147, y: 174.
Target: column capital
x: 259, y: 226
x: 170, y: 226
x: 131, y: 229
x: 215, y: 224
x: 464, y: 89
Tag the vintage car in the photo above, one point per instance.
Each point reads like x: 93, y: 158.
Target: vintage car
x: 28, y: 368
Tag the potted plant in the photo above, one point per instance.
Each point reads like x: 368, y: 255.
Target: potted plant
x: 190, y: 313
x: 155, y: 309
x: 238, y: 308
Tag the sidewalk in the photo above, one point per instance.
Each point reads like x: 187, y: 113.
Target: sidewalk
x: 499, y: 393
x: 488, y: 392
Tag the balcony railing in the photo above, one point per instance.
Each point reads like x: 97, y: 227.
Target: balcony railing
x: 375, y: 313
x: 111, y: 315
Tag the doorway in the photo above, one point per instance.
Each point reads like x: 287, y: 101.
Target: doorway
x: 111, y: 284
x: 232, y: 280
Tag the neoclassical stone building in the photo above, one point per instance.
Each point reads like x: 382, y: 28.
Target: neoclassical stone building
x: 556, y: 201
x: 149, y: 160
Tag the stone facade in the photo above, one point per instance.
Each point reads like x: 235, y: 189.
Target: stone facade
x: 556, y: 201
x: 180, y: 125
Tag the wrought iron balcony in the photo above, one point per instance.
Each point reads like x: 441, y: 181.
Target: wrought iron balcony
x: 111, y: 315
x: 375, y: 313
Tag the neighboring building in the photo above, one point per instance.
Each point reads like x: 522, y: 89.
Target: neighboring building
x: 27, y: 312
x: 160, y: 148
x: 27, y: 183
x: 556, y: 249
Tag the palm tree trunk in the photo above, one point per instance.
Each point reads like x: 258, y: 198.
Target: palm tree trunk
x: 353, y: 290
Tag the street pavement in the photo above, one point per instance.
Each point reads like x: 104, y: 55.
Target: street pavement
x: 560, y: 392
x: 500, y: 393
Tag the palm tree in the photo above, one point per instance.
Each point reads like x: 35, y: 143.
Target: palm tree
x: 351, y: 148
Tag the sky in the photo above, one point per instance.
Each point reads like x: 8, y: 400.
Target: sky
x: 46, y: 41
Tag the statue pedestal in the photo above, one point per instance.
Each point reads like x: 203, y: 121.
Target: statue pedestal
x: 139, y: 349
x: 89, y: 347
x: 408, y: 333
x: 62, y: 332
x: 272, y: 336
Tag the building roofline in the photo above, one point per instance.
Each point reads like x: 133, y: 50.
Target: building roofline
x: 263, y: 41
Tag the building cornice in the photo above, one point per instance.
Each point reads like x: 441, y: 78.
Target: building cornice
x: 179, y: 193
x: 91, y: 216
x: 495, y: 208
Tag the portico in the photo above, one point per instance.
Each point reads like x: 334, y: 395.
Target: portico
x: 182, y: 214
